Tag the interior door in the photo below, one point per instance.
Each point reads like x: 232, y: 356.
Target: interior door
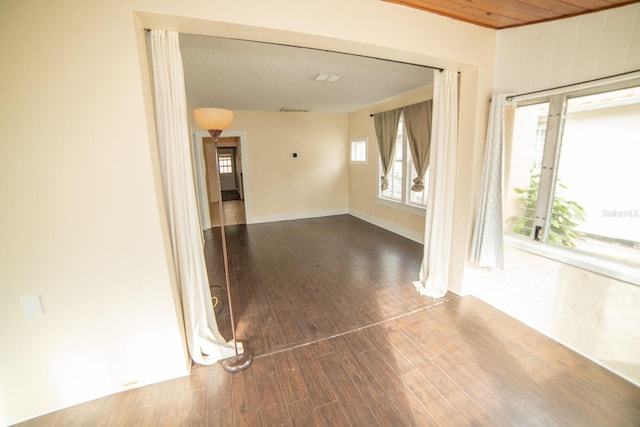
x: 209, y: 163
x: 227, y: 166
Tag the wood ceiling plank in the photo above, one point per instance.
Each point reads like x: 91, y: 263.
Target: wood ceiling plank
x: 531, y: 7
x: 511, y: 8
x: 499, y: 14
x: 589, y: 4
x: 560, y: 7
x: 463, y: 13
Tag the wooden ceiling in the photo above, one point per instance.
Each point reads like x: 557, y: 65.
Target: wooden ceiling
x: 499, y: 14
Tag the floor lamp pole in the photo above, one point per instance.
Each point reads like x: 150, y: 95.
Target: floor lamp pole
x: 237, y: 362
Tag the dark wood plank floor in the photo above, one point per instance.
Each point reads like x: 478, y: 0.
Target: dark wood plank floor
x: 341, y: 338
x: 294, y: 282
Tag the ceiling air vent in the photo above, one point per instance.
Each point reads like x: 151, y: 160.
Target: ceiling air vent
x: 293, y: 110
x: 326, y: 77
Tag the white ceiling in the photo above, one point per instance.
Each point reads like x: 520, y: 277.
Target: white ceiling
x: 245, y: 75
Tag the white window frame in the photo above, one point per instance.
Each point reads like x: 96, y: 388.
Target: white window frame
x: 225, y: 163
x: 360, y: 141
x: 404, y: 203
x: 591, y: 262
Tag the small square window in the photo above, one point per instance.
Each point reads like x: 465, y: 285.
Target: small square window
x: 359, y: 150
x: 224, y: 162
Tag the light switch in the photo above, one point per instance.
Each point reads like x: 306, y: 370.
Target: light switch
x: 32, y: 306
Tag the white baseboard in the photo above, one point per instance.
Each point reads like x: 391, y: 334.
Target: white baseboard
x: 394, y: 228
x: 296, y: 215
x: 387, y: 225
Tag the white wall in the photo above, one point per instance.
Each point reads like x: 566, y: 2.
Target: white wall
x: 566, y: 51
x: 83, y: 223
x: 596, y: 315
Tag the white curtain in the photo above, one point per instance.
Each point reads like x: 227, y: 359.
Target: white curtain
x: 434, y: 271
x: 206, y: 345
x: 487, y: 243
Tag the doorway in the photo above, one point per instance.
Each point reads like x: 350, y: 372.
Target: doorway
x: 231, y: 180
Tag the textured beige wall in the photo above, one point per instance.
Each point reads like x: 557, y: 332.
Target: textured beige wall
x: 81, y: 221
x: 279, y: 186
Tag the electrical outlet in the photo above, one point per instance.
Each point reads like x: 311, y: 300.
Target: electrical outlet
x: 32, y: 306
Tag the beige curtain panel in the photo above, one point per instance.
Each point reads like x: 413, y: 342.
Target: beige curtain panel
x: 386, y: 124
x: 417, y: 123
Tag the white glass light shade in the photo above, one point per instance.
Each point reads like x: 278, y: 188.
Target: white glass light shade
x: 213, y: 118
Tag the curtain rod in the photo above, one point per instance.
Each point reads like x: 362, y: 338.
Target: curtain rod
x: 510, y: 97
x: 350, y: 54
x: 426, y: 100
x: 328, y: 51
x: 371, y: 115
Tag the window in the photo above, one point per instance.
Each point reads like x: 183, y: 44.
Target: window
x: 224, y: 162
x: 573, y: 176
x: 417, y: 198
x: 359, y: 150
x: 402, y: 175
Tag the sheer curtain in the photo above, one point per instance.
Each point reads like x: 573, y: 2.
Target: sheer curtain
x: 206, y: 345
x: 487, y: 243
x: 386, y: 124
x: 417, y: 122
x: 434, y: 271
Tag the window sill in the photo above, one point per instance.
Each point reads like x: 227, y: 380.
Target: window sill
x: 402, y: 207
x: 615, y: 270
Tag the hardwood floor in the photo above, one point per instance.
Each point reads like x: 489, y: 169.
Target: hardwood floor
x: 294, y: 282
x: 233, y: 213
x: 342, y: 339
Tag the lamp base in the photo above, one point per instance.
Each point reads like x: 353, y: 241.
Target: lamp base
x: 237, y: 363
